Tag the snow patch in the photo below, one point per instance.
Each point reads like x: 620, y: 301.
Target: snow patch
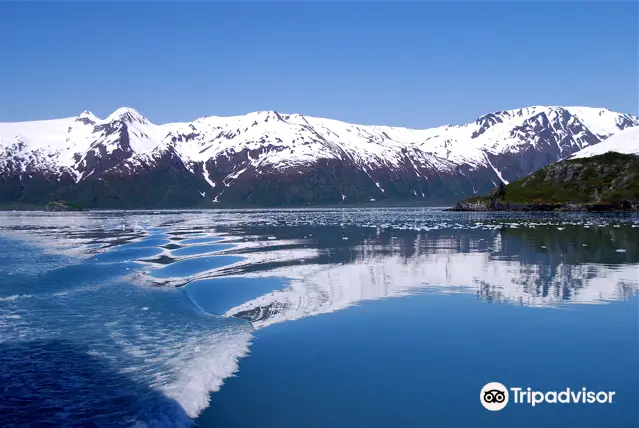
x: 626, y: 142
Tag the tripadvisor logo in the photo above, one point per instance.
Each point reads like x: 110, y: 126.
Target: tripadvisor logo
x: 495, y: 396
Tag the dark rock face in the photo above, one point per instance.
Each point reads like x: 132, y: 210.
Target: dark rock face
x: 551, y: 140
x: 35, y: 187
x: 486, y: 122
x: 333, y: 181
x: 326, y: 182
x: 168, y: 183
x: 97, y: 159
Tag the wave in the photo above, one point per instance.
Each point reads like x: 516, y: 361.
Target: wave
x: 15, y: 297
x: 134, y: 356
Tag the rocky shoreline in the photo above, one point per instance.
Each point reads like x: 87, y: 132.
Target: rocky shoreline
x: 491, y: 204
x: 62, y: 206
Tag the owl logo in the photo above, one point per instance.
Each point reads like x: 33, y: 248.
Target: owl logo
x: 494, y: 396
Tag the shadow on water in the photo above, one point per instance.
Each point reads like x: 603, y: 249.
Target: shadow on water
x: 58, y: 383
x: 573, y: 244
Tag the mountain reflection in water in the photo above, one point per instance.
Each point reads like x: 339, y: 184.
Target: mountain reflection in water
x: 124, y: 287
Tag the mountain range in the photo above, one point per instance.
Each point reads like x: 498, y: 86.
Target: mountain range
x: 274, y: 159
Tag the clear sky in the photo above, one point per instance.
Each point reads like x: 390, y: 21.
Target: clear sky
x: 409, y: 64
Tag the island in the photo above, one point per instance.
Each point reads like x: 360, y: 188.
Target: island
x: 606, y: 182
x: 62, y: 206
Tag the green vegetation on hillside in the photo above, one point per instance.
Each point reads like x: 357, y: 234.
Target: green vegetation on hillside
x: 605, y: 179
x: 62, y: 206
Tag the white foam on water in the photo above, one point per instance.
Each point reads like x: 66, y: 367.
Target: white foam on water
x: 15, y: 297
x: 246, y: 261
x: 186, y: 362
x: 173, y: 349
x: 205, y: 369
x: 181, y: 353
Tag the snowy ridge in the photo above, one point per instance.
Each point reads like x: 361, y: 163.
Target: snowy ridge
x: 226, y: 150
x: 626, y: 142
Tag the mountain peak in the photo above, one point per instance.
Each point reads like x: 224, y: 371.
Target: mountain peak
x: 127, y: 114
x: 87, y: 117
x: 267, y: 115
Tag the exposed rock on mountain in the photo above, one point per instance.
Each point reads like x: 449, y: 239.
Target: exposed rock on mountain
x: 269, y: 158
x: 603, y: 177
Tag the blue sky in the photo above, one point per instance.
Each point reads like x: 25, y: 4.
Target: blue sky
x: 409, y: 64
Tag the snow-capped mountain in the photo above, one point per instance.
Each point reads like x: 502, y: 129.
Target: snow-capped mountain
x: 626, y: 142
x: 270, y: 158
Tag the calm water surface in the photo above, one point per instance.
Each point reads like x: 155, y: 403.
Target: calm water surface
x: 315, y: 318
